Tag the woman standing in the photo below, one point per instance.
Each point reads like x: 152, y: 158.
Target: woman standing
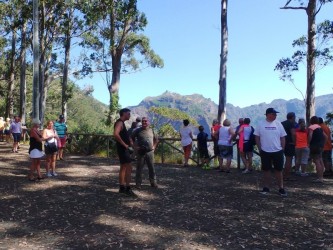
x: 245, y: 145
x: 35, y: 150
x: 16, y: 131
x: 301, y: 148
x: 50, y: 136
x: 226, y: 134
x: 186, y: 141
x: 7, y: 129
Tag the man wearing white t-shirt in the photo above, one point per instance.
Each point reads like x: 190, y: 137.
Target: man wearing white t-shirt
x: 270, y: 139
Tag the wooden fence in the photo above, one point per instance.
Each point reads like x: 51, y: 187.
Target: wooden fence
x: 90, y: 142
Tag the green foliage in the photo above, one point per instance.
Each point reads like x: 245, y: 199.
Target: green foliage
x: 163, y: 118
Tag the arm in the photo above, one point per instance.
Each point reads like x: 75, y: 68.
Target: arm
x: 283, y: 142
x: 258, y: 142
x: 116, y: 133
x: 155, y: 142
x: 46, y: 137
x: 325, y: 137
x: 36, y: 136
x: 310, y: 136
x: 293, y: 135
x: 240, y: 130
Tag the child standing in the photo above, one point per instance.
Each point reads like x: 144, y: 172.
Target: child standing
x: 202, y: 146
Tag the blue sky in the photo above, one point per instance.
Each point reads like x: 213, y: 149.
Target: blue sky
x: 186, y: 34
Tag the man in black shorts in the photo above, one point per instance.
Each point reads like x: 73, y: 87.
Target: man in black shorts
x: 289, y: 150
x: 124, y: 150
x: 270, y: 140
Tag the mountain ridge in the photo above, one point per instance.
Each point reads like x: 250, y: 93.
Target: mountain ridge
x: 204, y: 110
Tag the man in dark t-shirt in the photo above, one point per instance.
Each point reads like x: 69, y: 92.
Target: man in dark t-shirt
x: 124, y: 150
x: 146, y: 142
x: 289, y: 150
x: 203, y: 149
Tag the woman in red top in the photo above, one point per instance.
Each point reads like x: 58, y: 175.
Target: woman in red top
x: 301, y: 148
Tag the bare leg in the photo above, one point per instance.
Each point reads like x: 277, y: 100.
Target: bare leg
x: 267, y: 178
x: 122, y: 174
x: 128, y: 176
x: 279, y: 178
x: 228, y: 164
x: 287, y: 166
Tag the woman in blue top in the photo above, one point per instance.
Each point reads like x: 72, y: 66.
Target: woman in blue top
x: 16, y: 131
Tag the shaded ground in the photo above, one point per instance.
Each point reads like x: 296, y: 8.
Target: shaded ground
x: 193, y: 209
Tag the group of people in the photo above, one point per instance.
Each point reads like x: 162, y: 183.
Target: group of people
x: 278, y: 143
x: 54, y: 139
x: 11, y: 128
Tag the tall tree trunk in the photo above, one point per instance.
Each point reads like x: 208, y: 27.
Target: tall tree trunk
x: 66, y: 66
x: 223, y: 62
x: 23, y: 85
x: 42, y: 64
x: 114, y: 87
x: 311, y: 61
x: 36, y: 58
x: 11, y: 82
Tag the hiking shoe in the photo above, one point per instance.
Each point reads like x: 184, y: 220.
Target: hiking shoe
x: 129, y: 192
x: 282, y: 192
x: 48, y: 174
x: 246, y: 171
x: 317, y: 181
x: 264, y: 191
x: 122, y: 189
x: 54, y: 174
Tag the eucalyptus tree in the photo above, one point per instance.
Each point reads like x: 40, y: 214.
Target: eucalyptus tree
x: 223, y: 61
x: 72, y: 27
x: 117, y: 43
x: 288, y: 65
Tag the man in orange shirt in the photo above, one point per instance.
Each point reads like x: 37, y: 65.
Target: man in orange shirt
x: 327, y: 151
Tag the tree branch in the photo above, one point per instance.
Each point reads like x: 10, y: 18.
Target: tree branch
x: 293, y: 8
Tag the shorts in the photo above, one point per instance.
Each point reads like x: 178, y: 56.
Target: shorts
x: 203, y: 152
x: 7, y: 132
x: 16, y: 137
x: 124, y: 155
x: 316, y: 152
x: 289, y: 150
x: 272, y: 160
x: 216, y: 149
x: 302, y: 155
x: 247, y: 147
x: 62, y: 142
x: 327, y: 157
x: 226, y: 152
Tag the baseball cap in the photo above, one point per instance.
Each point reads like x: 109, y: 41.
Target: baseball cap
x: 271, y: 111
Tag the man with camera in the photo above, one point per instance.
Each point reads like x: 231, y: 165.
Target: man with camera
x: 146, y: 144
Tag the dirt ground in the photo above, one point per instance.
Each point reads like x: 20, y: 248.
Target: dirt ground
x: 192, y: 209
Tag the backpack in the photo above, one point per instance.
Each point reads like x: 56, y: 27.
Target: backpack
x: 252, y: 137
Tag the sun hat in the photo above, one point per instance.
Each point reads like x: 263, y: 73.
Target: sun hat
x: 36, y: 154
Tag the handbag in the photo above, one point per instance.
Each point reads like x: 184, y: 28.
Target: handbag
x: 51, y: 146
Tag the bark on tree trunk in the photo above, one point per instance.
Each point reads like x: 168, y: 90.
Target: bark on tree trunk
x: 65, y: 76
x: 114, y: 86
x: 11, y: 82
x: 311, y: 61
x: 223, y: 62
x: 23, y: 75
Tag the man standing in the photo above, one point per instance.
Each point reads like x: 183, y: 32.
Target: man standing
x: 146, y: 144
x: 124, y: 150
x: 61, y: 128
x: 289, y: 150
x: 327, y: 150
x: 270, y: 140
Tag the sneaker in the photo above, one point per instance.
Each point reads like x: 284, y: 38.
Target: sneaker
x: 122, y: 189
x: 153, y: 185
x: 282, y: 192
x: 304, y: 174
x: 265, y: 191
x: 54, y: 174
x: 138, y: 186
x: 298, y: 173
x: 246, y: 171
x: 129, y: 192
x: 48, y: 174
x: 317, y: 181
